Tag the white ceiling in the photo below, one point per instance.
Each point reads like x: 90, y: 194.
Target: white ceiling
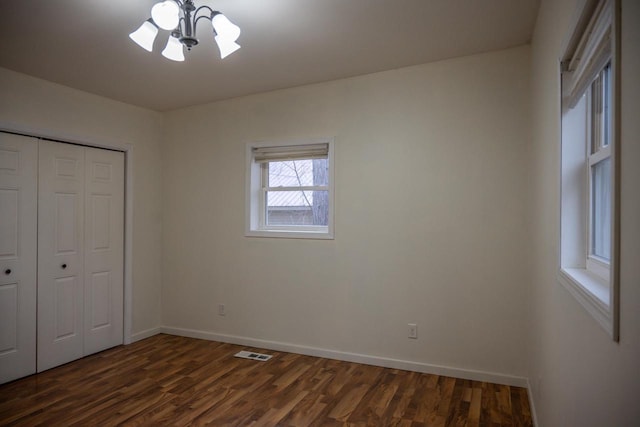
x: 84, y: 44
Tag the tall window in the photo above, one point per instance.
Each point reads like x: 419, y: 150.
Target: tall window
x: 588, y: 217
x: 289, y: 190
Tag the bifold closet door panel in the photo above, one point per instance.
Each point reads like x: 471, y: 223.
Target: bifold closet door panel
x: 104, y: 249
x: 61, y: 195
x: 18, y: 255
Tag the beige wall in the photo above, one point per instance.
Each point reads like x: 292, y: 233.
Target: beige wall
x: 580, y: 377
x: 61, y: 112
x: 430, y: 218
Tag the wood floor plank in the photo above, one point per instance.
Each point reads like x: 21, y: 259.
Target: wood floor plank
x: 475, y: 406
x: 169, y: 380
x: 306, y: 412
x: 375, y: 403
x: 343, y: 409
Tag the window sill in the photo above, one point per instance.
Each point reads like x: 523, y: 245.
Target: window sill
x: 313, y: 235
x: 591, y: 291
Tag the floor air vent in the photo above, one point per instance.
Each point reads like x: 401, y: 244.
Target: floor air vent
x: 253, y: 356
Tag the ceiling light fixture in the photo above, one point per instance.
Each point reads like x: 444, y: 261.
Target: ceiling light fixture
x: 181, y: 18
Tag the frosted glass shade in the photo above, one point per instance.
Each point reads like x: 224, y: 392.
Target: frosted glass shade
x: 145, y: 35
x: 226, y: 46
x: 166, y: 14
x: 224, y: 28
x: 173, y: 50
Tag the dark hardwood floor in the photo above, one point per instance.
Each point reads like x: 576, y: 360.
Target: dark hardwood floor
x: 177, y: 381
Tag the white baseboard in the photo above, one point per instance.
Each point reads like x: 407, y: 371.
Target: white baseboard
x: 352, y: 357
x: 145, y: 334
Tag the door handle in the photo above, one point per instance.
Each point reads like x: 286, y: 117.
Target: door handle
x: 63, y: 266
x: 7, y: 271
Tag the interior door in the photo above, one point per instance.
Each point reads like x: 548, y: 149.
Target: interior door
x: 104, y: 254
x: 18, y: 250
x: 61, y: 205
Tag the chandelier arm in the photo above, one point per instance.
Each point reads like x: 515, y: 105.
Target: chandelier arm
x: 204, y: 6
x: 212, y: 13
x: 180, y: 25
x: 195, y: 22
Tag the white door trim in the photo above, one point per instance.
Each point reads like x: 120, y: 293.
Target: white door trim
x: 127, y: 149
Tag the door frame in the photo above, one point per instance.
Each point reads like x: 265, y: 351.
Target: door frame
x: 128, y: 150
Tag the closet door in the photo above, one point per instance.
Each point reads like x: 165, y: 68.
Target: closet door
x: 61, y: 204
x: 104, y: 254
x: 18, y: 250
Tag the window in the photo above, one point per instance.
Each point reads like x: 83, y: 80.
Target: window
x: 588, y: 222
x: 290, y: 189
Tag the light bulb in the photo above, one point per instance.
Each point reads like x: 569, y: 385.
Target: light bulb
x: 145, y: 35
x: 173, y: 50
x: 224, y: 28
x: 226, y: 46
x: 166, y: 14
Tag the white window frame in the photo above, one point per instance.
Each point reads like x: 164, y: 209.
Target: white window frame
x: 256, y: 190
x: 592, y: 43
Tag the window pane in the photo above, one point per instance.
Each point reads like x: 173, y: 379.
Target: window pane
x: 606, y: 98
x: 601, y: 209
x: 298, y: 173
x: 600, y: 111
x: 297, y: 208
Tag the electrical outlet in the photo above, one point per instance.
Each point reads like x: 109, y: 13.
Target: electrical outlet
x: 413, y: 330
x: 221, y: 310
